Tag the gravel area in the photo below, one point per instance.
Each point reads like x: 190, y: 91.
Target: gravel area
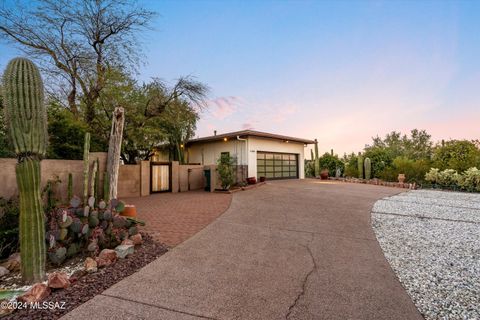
x: 432, y: 241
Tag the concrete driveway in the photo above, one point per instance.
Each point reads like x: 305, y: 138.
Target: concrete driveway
x: 287, y: 250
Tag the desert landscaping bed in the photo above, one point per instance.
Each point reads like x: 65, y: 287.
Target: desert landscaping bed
x: 431, y: 240
x: 87, y: 285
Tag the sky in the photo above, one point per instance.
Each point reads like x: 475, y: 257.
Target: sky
x: 338, y: 71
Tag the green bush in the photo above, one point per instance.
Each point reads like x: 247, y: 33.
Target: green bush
x: 9, y: 214
x: 225, y: 168
x: 351, y: 167
x: 470, y: 180
x: 309, y: 168
x: 458, y: 155
x: 331, y: 162
x: 447, y: 178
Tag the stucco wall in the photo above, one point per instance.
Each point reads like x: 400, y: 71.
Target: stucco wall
x: 259, y: 144
x: 50, y: 169
x: 212, y: 150
x: 129, y: 181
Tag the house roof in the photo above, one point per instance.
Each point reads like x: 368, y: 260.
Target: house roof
x: 249, y: 133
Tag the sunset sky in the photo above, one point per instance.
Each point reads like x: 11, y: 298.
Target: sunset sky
x: 340, y: 71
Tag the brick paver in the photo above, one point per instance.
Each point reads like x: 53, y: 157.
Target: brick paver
x: 172, y: 218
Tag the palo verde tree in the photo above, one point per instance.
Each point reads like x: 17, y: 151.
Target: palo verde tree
x: 76, y: 42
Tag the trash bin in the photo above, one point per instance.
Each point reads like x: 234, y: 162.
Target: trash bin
x: 207, y: 179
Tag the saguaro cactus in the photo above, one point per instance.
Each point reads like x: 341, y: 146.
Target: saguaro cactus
x: 70, y: 187
x: 368, y: 168
x: 114, y: 148
x: 317, y: 160
x: 360, y: 165
x: 27, y: 123
x: 86, y: 166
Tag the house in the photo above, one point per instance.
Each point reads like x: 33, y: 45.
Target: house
x: 258, y: 154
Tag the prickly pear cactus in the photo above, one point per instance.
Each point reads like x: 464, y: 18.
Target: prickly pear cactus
x: 368, y: 168
x: 27, y: 124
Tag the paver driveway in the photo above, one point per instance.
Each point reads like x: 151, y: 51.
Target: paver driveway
x: 287, y: 250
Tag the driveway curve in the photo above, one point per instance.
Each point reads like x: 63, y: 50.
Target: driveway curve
x: 287, y: 250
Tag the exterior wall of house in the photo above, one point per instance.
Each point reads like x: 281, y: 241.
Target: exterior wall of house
x: 209, y: 152
x: 246, y: 152
x: 271, y: 145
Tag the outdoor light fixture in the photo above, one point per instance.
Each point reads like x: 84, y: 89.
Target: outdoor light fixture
x: 225, y: 139
x: 181, y: 146
x: 286, y: 141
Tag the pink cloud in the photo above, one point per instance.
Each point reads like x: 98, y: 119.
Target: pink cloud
x: 223, y: 107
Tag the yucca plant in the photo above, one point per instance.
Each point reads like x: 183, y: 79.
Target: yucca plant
x: 27, y: 124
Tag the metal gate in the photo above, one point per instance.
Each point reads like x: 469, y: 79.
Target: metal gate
x: 160, y: 177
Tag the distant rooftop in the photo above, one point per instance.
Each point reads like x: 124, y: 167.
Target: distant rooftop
x: 250, y: 133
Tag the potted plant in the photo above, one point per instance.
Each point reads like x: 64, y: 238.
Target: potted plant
x: 401, y: 178
x: 324, y: 174
x: 262, y: 179
x: 251, y: 180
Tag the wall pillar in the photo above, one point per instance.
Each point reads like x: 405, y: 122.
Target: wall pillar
x: 175, y: 176
x: 144, y: 178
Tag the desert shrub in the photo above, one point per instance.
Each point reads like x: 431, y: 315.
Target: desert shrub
x: 309, y: 168
x: 351, y: 167
x: 414, y: 170
x: 458, y: 155
x: 381, y: 159
x: 331, y: 163
x: 9, y: 214
x: 448, y: 178
x: 470, y: 180
x: 225, y: 168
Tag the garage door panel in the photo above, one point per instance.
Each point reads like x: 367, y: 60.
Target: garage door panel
x: 277, y: 165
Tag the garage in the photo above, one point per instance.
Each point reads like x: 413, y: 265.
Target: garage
x: 273, y: 165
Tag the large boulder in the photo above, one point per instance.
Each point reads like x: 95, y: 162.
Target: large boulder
x: 37, y: 293
x: 58, y: 280
x: 106, y: 258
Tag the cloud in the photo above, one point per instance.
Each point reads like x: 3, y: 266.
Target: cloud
x: 222, y: 107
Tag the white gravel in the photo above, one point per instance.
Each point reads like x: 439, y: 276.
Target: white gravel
x: 432, y: 241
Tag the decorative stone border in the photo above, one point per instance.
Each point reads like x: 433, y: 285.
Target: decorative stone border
x: 378, y: 182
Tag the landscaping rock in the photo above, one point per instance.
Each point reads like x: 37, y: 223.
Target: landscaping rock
x: 127, y: 242
x: 124, y: 250
x: 90, y: 265
x: 3, y: 271
x: 137, y: 239
x: 77, y: 275
x: 13, y: 263
x: 37, y: 293
x: 106, y: 258
x: 58, y: 280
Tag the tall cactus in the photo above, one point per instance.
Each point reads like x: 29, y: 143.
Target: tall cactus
x: 86, y: 167
x: 70, y: 187
x: 360, y: 165
x: 93, y: 178
x: 97, y: 180
x: 311, y: 154
x: 317, y: 160
x: 368, y: 168
x: 27, y: 124
x: 106, y: 187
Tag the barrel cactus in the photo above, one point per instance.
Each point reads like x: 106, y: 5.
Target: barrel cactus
x: 27, y: 124
x: 360, y: 166
x: 368, y: 168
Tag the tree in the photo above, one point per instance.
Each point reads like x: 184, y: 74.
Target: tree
x: 330, y: 162
x: 155, y: 113
x: 458, y: 155
x: 77, y: 42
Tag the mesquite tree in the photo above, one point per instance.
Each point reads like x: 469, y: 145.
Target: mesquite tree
x: 114, y: 150
x: 27, y: 124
